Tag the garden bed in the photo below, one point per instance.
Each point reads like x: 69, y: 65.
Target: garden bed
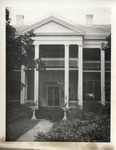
x: 87, y: 127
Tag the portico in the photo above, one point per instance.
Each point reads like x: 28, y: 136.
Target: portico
x: 65, y: 65
x: 60, y: 45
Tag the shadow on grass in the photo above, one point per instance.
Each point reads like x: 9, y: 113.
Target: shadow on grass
x: 16, y: 129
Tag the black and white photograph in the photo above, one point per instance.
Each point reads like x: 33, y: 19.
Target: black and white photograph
x: 58, y: 74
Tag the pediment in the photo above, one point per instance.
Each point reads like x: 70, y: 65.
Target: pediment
x: 53, y: 25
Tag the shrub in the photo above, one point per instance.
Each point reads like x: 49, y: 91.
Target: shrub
x: 15, y: 112
x: 52, y: 113
x: 96, y: 107
x: 76, y: 113
x: 92, y: 129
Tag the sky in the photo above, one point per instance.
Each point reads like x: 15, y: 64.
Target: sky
x: 73, y: 14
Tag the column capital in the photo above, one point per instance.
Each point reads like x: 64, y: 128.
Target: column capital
x: 36, y: 44
x: 80, y: 45
x: 66, y: 45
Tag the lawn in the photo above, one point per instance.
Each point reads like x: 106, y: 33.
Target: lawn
x: 16, y: 129
x: 88, y: 125
x: 18, y: 121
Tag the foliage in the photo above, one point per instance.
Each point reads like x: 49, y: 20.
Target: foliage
x: 107, y: 49
x: 50, y: 113
x: 96, y: 107
x: 31, y: 104
x: 108, y: 89
x: 76, y: 113
x: 15, y: 129
x: 19, y: 51
x: 95, y: 128
x: 15, y: 112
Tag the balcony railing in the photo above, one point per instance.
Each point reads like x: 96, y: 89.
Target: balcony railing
x: 108, y: 65
x: 73, y: 62
x: 59, y: 62
x: 95, y: 65
x: 91, y: 65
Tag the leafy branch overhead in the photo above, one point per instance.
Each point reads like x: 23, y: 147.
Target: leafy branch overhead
x: 20, y: 50
x: 107, y: 47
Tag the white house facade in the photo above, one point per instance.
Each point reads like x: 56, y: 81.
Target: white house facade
x: 76, y: 67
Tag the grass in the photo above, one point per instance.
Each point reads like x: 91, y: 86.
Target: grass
x: 18, y: 119
x: 16, y: 129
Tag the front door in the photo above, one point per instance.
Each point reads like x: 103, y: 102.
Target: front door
x: 53, y: 95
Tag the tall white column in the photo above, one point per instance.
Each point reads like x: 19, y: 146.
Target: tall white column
x: 102, y: 77
x: 67, y: 75
x: 36, y: 76
x: 80, y: 76
x: 25, y: 85
x: 22, y: 96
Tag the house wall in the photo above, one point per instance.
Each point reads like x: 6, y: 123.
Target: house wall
x: 91, y: 86
x: 47, y: 77
x: 30, y: 84
x: 73, y: 82
x: 91, y: 76
x: 57, y: 76
x: 91, y: 54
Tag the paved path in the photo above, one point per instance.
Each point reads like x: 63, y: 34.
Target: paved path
x: 43, y: 126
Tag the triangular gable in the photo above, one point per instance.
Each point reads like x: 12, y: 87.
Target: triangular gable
x: 53, y: 25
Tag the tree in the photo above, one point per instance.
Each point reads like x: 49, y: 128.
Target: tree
x: 19, y: 51
x: 107, y: 48
x: 10, y: 38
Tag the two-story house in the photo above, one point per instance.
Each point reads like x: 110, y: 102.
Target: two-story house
x: 76, y: 65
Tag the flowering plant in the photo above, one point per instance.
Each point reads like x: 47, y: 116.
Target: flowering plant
x: 32, y: 104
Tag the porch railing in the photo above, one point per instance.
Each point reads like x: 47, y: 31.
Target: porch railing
x: 59, y: 62
x: 108, y: 65
x: 73, y: 62
x: 91, y: 65
x: 95, y: 65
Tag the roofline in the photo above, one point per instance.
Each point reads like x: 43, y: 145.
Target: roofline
x: 51, y: 18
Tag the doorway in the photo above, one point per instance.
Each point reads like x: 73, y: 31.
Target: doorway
x: 54, y: 95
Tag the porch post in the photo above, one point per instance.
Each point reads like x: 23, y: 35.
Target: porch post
x: 25, y: 85
x: 22, y: 96
x: 102, y: 77
x: 67, y: 75
x: 36, y: 77
x: 80, y: 76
